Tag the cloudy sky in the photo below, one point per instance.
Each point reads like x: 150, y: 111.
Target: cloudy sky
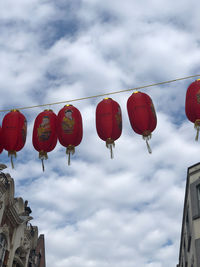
x: 99, y: 212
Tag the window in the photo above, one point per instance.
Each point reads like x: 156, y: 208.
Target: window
x: 198, y: 196
x: 185, y: 253
x: 3, y: 246
x: 187, y: 222
x: 195, y: 199
x: 188, y: 230
x: 197, y: 250
x: 192, y: 261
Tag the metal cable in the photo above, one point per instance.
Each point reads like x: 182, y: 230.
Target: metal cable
x: 102, y: 95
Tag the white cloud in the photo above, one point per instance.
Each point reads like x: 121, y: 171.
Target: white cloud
x: 98, y: 211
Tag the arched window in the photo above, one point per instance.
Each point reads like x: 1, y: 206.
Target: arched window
x: 3, y: 247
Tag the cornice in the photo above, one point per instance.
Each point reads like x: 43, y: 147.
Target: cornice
x: 13, y: 216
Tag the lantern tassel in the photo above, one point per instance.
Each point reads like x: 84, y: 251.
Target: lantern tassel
x: 42, y: 156
x: 148, y: 147
x: 146, y: 138
x: 11, y: 160
x: 197, y: 127
x: 69, y: 158
x: 70, y: 151
x: 110, y: 144
x: 11, y: 154
x: 197, y: 135
x: 42, y: 164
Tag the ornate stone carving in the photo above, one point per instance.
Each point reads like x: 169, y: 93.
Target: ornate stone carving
x: 5, y: 231
x: 1, y: 204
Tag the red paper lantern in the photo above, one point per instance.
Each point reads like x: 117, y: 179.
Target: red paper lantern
x: 14, y: 128
x: 69, y: 128
x: 109, y: 122
x: 142, y: 115
x: 192, y: 105
x: 44, y: 133
x: 1, y: 140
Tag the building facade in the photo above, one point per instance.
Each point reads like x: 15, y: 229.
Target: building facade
x: 19, y: 242
x: 189, y: 254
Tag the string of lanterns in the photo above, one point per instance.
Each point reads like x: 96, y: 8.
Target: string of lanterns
x: 66, y: 127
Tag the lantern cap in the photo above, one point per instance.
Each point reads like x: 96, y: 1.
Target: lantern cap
x: 135, y: 92
x: 68, y: 105
x: 146, y: 133
x: 43, y: 154
x: 14, y: 110
x: 109, y: 141
x: 106, y: 98
x: 48, y: 110
x: 197, y: 80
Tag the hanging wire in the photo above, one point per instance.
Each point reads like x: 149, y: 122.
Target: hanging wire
x: 102, y: 95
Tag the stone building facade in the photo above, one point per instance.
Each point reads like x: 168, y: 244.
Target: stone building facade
x: 19, y: 242
x: 189, y: 254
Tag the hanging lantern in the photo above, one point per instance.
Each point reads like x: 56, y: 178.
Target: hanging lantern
x: 192, y: 105
x: 109, y: 122
x: 14, y: 128
x: 1, y: 140
x: 44, y: 134
x: 142, y: 115
x: 69, y: 129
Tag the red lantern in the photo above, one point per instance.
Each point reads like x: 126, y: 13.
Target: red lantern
x: 69, y: 128
x: 14, y: 127
x: 109, y: 122
x: 142, y: 115
x: 192, y: 105
x: 44, y: 134
x: 1, y: 140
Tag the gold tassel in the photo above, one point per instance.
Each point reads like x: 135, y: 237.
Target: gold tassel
x: 12, y: 153
x: 110, y: 144
x: 70, y: 151
x: 42, y: 156
x: 197, y: 127
x: 146, y: 138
